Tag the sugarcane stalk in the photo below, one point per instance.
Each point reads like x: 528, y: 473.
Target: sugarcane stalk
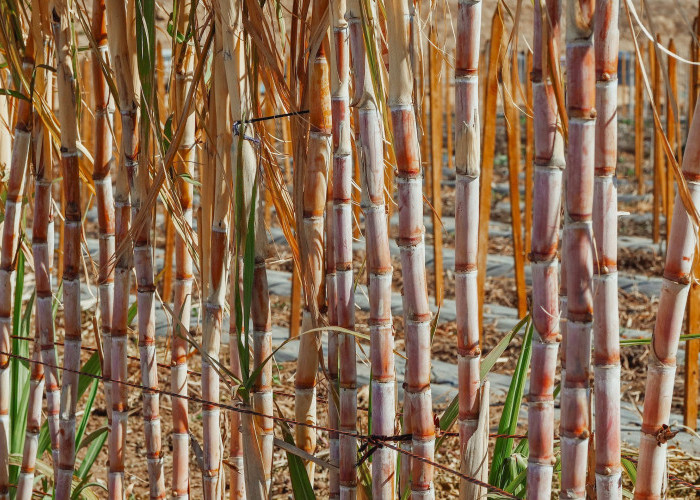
x: 333, y: 352
x: 661, y: 367
x: 146, y: 297
x: 72, y: 251
x: 468, y: 170
x: 103, y: 162
x: 549, y: 162
x: 606, y: 359
x: 341, y: 216
x: 575, y: 393
x: 236, y: 454
x: 218, y: 274
x: 42, y: 250
x: 182, y: 288
x: 418, y: 400
x: 369, y: 141
x: 262, y: 344
x: 10, y: 241
x: 44, y: 159
x: 123, y: 65
x: 315, y: 179
x: 333, y: 343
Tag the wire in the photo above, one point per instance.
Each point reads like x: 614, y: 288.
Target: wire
x: 379, y: 441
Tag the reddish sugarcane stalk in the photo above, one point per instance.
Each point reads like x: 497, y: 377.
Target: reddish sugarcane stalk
x: 575, y: 424
x: 606, y: 333
x: 549, y: 161
x: 182, y: 301
x: 661, y: 367
x: 123, y: 65
x: 102, y: 178
x: 71, y: 249
x: 418, y: 400
x: 370, y: 147
x: 314, y: 202
x: 146, y: 323
x: 467, y: 165
x: 44, y: 302
x: 342, y: 247
x: 333, y: 352
x: 42, y: 250
x: 10, y: 240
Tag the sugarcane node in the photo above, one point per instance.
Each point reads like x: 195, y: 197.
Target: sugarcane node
x: 691, y: 176
x: 466, y: 72
x: 465, y: 268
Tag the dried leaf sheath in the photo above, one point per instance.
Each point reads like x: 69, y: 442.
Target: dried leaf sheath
x: 71, y: 250
x: 547, y: 187
x: 467, y: 165
x: 418, y: 400
x: 606, y: 326
x: 575, y: 424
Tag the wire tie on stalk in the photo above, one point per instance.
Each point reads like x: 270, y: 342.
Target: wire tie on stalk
x: 237, y: 133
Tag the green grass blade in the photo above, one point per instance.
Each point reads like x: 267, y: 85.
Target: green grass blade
x: 509, y: 417
x: 630, y: 469
x: 301, y: 486
x: 97, y: 440
x: 86, y: 414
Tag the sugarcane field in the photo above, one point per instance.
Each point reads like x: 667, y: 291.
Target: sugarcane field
x: 349, y: 249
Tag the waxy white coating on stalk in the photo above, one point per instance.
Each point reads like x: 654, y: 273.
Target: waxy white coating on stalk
x: 578, y: 248
x: 182, y: 302
x: 61, y: 26
x: 42, y: 251
x: 661, y: 366
x: 468, y: 171
x: 549, y: 160
x: 606, y: 324
x: 341, y: 227
x: 123, y: 64
x: 418, y: 398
